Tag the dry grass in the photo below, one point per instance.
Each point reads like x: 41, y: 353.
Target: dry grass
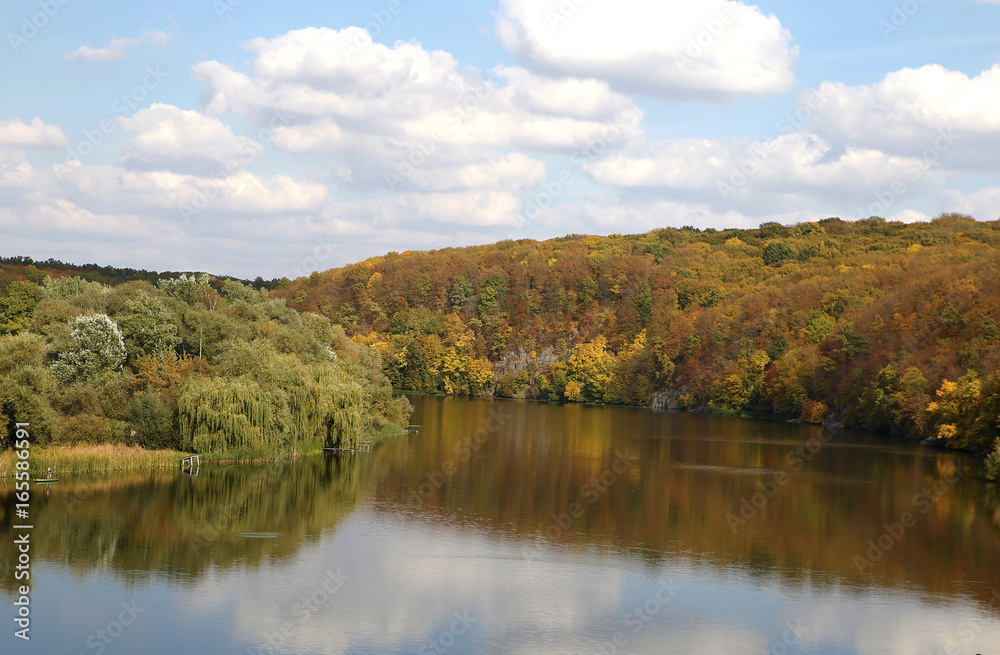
x: 90, y: 459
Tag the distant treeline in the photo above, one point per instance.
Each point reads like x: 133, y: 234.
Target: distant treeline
x: 883, y: 325
x: 20, y: 267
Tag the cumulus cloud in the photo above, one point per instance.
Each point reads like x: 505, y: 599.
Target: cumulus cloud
x: 792, y: 171
x: 112, y: 189
x: 37, y: 134
x: 929, y: 112
x: 185, y: 141
x: 482, y: 208
x: 715, y: 49
x: 116, y: 47
x: 379, y: 111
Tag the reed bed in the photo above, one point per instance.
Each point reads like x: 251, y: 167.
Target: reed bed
x: 90, y: 459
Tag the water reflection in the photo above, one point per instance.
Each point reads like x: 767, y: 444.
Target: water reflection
x: 511, y: 527
x: 169, y: 523
x: 688, y: 485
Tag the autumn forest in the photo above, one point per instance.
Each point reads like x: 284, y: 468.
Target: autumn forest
x: 881, y: 325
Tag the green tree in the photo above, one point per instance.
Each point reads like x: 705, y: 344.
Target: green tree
x: 777, y: 252
x: 819, y: 327
x: 148, y: 328
x: 461, y: 292
x: 16, y: 305
x: 26, y: 385
x: 644, y: 303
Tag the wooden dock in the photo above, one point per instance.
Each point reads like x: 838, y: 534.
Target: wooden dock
x: 191, y: 461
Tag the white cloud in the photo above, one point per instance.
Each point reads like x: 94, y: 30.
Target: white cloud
x: 791, y: 172
x: 378, y: 111
x: 929, y: 112
x: 184, y: 141
x: 983, y: 204
x: 473, y: 208
x: 111, y: 189
x: 242, y: 224
x: 116, y: 47
x: 599, y: 214
x: 423, y: 153
x: 17, y: 134
x: 712, y: 49
x: 514, y: 172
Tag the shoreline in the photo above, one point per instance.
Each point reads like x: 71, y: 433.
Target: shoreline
x: 83, y: 459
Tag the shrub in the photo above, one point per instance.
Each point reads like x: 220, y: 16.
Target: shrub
x: 993, y: 464
x: 84, y: 429
x: 152, y: 418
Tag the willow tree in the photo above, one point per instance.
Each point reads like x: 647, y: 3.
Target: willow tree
x: 271, y: 404
x: 234, y: 416
x: 342, y: 404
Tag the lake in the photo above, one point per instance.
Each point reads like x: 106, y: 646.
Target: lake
x: 528, y: 528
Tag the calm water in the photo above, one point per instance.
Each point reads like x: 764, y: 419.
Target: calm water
x: 512, y: 527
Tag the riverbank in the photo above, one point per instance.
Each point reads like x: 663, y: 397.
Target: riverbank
x: 105, y: 458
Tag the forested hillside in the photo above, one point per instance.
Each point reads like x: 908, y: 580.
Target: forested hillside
x: 884, y: 325
x: 193, y: 364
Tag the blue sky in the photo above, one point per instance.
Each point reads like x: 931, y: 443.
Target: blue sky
x: 251, y: 138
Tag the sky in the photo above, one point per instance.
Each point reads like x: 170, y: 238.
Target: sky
x: 246, y: 138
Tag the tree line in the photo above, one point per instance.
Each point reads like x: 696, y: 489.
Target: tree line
x: 880, y: 324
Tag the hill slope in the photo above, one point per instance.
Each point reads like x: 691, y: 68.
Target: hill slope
x: 871, y: 320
